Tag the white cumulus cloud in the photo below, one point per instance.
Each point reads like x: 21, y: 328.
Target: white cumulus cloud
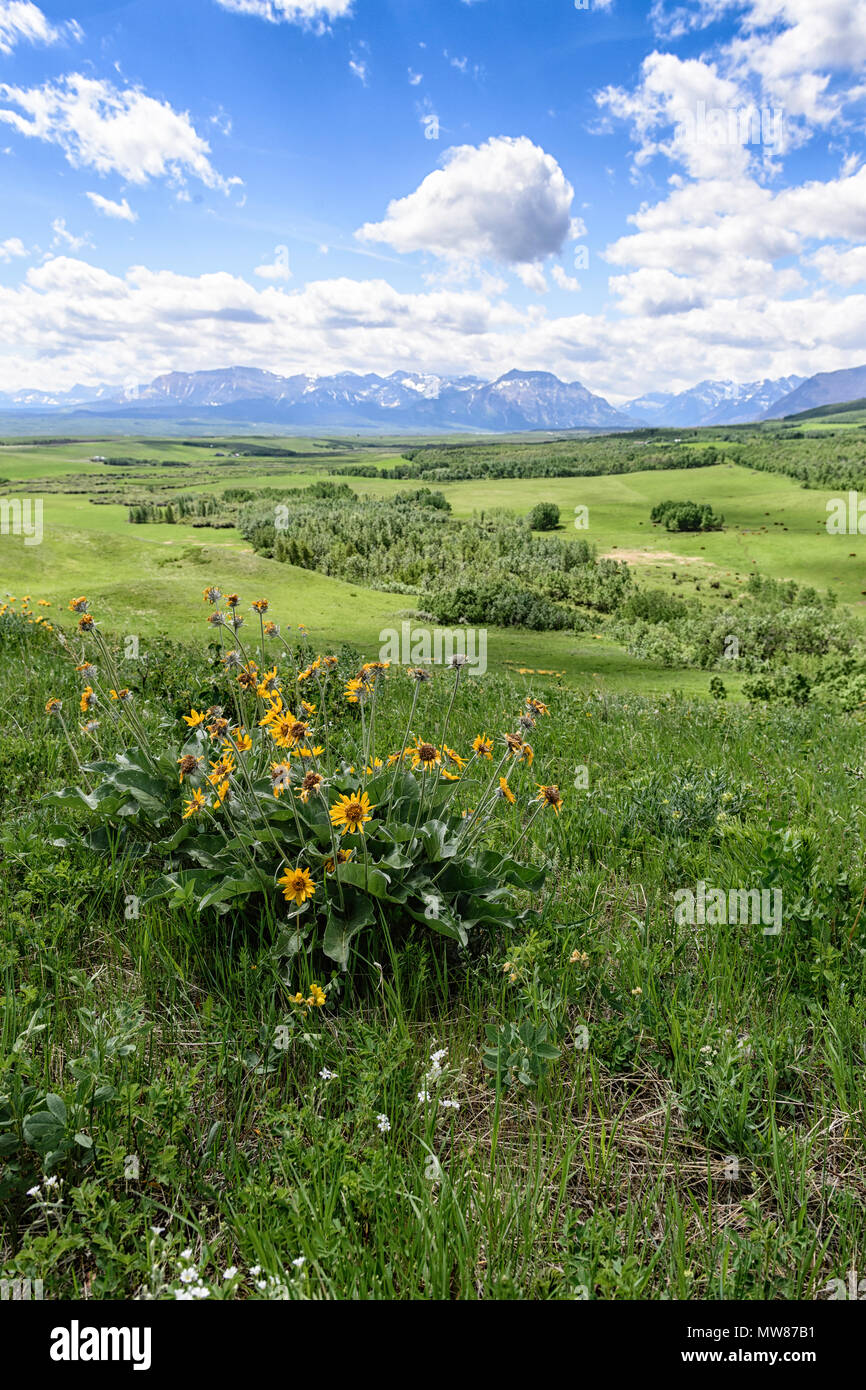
x: 506, y: 201
x: 564, y: 280
x: 11, y: 247
x: 842, y: 267
x: 278, y: 268
x: 63, y: 236
x: 68, y: 320
x: 112, y: 130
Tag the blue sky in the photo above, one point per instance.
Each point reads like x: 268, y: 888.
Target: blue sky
x: 451, y: 187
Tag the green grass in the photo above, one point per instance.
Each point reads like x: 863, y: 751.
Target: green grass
x: 150, y: 584
x: 149, y: 575
x: 700, y: 1137
x: 701, y: 1134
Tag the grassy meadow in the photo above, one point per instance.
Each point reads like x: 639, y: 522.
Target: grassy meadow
x: 587, y: 1094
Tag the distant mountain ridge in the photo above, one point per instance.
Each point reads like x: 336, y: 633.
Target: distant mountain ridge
x: 711, y: 403
x: 519, y: 400
x: 422, y: 402
x: 826, y: 388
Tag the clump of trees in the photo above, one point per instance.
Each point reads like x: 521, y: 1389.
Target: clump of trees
x: 195, y: 510
x: 776, y: 623
x: 686, y: 516
x: 490, y: 569
x: 452, y: 463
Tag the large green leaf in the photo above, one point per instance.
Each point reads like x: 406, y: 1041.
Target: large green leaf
x: 104, y: 798
x: 206, y: 850
x: 437, y: 839
x: 368, y: 878
x: 43, y: 1129
x: 406, y: 788
x: 148, y: 791
x: 436, y: 914
x: 510, y: 871
x: 228, y: 889
x: 482, y: 911
x: 344, y: 925
x: 395, y: 833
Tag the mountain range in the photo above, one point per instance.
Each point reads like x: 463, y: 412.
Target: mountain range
x: 426, y: 402
x: 713, y: 403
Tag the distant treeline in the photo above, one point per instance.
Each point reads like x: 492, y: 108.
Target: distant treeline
x: 122, y: 462
x: 460, y: 463
x: 816, y: 461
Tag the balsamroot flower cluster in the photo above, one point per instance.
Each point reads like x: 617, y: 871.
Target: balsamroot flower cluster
x: 271, y: 800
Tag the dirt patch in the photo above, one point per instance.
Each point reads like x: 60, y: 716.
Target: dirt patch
x: 653, y: 557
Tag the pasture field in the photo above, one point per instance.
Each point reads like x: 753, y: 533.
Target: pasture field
x: 599, y: 1090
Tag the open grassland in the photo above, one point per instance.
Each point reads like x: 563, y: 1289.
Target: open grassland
x: 773, y: 526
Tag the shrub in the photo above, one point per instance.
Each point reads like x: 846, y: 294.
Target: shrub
x: 653, y: 606
x: 409, y: 544
x: 544, y: 517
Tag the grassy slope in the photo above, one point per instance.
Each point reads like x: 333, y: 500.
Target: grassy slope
x: 619, y: 509
x: 150, y: 582
x: 707, y: 1142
